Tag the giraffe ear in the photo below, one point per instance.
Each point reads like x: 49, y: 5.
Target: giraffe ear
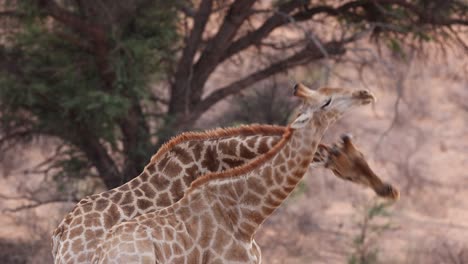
x: 301, y: 120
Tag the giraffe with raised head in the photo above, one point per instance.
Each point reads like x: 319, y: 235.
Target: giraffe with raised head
x: 219, y: 214
x: 81, y: 230
x: 158, y: 186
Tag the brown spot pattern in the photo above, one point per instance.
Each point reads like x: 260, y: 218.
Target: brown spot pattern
x: 210, y: 160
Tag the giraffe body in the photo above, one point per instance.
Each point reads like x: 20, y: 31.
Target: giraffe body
x: 218, y: 216
x: 162, y: 183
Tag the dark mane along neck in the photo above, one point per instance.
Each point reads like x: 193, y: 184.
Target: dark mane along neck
x: 255, y: 163
x: 254, y: 129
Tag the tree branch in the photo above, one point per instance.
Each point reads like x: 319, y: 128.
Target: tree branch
x: 209, y: 59
x: 281, y: 18
x: 34, y: 202
x: 302, y: 57
x: 184, y: 70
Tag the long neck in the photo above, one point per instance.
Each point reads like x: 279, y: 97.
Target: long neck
x: 166, y: 179
x: 242, y: 202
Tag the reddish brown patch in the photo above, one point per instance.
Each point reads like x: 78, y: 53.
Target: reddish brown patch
x: 75, y: 232
x: 278, y: 176
x: 116, y: 197
x: 267, y: 176
x: 163, y: 200
x: 143, y: 204
x: 227, y: 148
x: 168, y: 234
x: 124, y: 188
x: 144, y: 176
x: 253, y: 216
x: 128, y: 210
x: 76, y: 221
x: 112, y: 216
x: 278, y: 193
x: 236, y: 253
x: 291, y: 181
x: 246, y: 153
x: 182, y: 155
x: 134, y: 183
x: 279, y: 159
x: 270, y: 201
x: 250, y: 199
x: 291, y: 163
x: 256, y: 185
x: 148, y: 191
x: 190, y: 174
x: 172, y: 169
x: 177, y: 190
x: 127, y: 199
x: 283, y: 169
x: 176, y: 249
x: 151, y: 168
x: 167, y: 250
x: 197, y: 150
x: 69, y: 217
x: 159, y: 182
x: 232, y: 163
x: 248, y: 228
x: 289, y: 189
x: 263, y: 147
x: 89, y: 234
x: 221, y: 239
x: 162, y: 163
x: 194, y: 256
x: 208, y: 231
x: 87, y: 207
x: 77, y: 245
x: 239, y: 187
x: 138, y: 193
x: 267, y: 210
x: 210, y: 161
x: 251, y: 141
x: 89, y: 222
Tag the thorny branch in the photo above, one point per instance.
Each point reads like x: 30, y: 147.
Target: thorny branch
x: 31, y: 199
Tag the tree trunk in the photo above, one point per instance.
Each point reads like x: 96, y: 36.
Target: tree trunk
x: 98, y: 156
x: 136, y: 141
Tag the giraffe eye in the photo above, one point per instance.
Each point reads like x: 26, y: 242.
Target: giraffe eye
x: 327, y: 103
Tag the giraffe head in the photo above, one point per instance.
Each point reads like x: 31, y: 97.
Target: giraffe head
x: 348, y: 163
x: 329, y: 103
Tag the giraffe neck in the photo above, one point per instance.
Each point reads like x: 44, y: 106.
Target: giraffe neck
x: 242, y: 198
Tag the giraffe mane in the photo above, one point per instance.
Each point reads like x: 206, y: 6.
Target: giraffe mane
x: 237, y: 171
x: 244, y: 130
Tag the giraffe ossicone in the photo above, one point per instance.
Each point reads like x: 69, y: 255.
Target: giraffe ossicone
x: 216, y: 219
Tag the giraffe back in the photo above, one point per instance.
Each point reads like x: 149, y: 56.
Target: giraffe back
x: 163, y: 182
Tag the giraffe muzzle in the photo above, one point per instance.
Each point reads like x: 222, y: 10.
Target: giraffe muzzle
x: 388, y: 191
x: 365, y: 96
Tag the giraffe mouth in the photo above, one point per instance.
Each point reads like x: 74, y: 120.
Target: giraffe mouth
x: 388, y: 191
x: 364, y: 96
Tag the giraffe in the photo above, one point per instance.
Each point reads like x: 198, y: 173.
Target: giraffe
x: 83, y: 228
x: 348, y: 163
x: 197, y: 153
x: 217, y: 217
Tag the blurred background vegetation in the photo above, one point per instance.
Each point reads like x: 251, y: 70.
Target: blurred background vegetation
x: 101, y: 84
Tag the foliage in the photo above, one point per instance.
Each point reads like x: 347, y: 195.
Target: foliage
x: 56, y: 88
x: 270, y: 104
x: 365, y: 249
x: 82, y: 71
